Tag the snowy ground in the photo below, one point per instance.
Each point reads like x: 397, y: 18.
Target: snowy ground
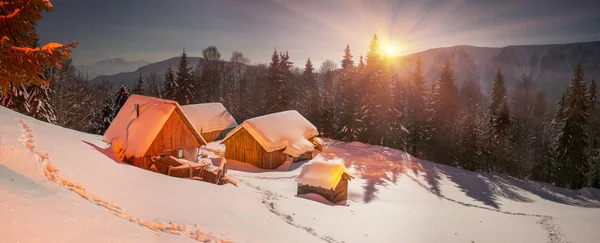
x: 395, y: 198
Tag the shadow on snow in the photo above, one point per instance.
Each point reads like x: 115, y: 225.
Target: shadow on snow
x: 380, y: 167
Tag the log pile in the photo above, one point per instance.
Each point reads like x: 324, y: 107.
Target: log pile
x: 181, y: 168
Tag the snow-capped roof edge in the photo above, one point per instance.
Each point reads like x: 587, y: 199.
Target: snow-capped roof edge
x: 244, y: 126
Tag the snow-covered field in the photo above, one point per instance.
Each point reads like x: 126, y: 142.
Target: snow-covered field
x: 394, y: 198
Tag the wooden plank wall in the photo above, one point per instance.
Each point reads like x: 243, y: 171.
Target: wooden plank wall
x: 339, y: 193
x: 326, y: 193
x: 174, y: 135
x: 241, y: 146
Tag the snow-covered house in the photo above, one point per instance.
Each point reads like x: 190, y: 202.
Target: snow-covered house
x: 329, y: 180
x: 268, y: 141
x: 212, y: 120
x: 147, y: 126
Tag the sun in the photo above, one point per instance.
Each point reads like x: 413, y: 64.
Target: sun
x: 390, y: 50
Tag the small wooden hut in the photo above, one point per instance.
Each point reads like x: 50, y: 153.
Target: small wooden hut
x: 268, y: 141
x: 212, y: 120
x: 329, y: 180
x: 146, y: 126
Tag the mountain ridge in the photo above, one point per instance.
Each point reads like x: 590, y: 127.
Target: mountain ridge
x: 549, y: 66
x: 110, y: 67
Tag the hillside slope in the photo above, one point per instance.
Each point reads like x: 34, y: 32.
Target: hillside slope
x: 158, y: 68
x: 549, y: 66
x: 394, y: 198
x: 109, y: 67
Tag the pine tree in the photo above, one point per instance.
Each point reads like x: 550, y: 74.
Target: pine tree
x: 415, y: 107
x: 571, y: 158
x: 138, y: 88
x: 594, y: 135
x: 120, y: 97
x: 361, y: 63
x: 290, y: 89
x: 499, y: 115
x: 171, y: 87
x: 185, y: 92
x: 377, y: 110
x: 499, y: 124
x: 275, y: 86
x: 314, y: 96
x: 347, y: 125
x: 22, y: 63
x: 347, y: 62
x: 443, y: 108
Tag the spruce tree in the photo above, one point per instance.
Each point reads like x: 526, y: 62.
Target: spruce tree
x: 275, y: 86
x: 120, y: 97
x: 21, y: 62
x: 377, y: 110
x: 290, y: 89
x: 138, y: 88
x: 593, y: 129
x: 571, y: 158
x: 361, y: 63
x: 499, y: 124
x: 415, y: 108
x: 499, y: 115
x: 347, y: 125
x: 443, y: 109
x: 185, y: 92
x: 314, y: 96
x: 171, y: 87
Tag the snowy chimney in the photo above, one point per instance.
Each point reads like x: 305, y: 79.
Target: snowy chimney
x: 137, y: 110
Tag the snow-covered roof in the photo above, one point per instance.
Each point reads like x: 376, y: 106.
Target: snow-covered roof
x: 283, y: 130
x: 322, y: 174
x: 209, y: 117
x: 135, y: 135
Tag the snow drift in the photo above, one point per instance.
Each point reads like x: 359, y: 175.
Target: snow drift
x: 394, y: 198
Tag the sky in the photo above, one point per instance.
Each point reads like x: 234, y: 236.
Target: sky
x: 155, y: 30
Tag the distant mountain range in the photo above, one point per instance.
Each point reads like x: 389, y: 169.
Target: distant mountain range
x: 549, y: 66
x: 159, y: 68
x: 110, y: 67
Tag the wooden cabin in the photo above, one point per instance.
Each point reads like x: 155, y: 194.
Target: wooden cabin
x: 268, y: 141
x: 212, y: 120
x: 146, y: 127
x: 329, y: 180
